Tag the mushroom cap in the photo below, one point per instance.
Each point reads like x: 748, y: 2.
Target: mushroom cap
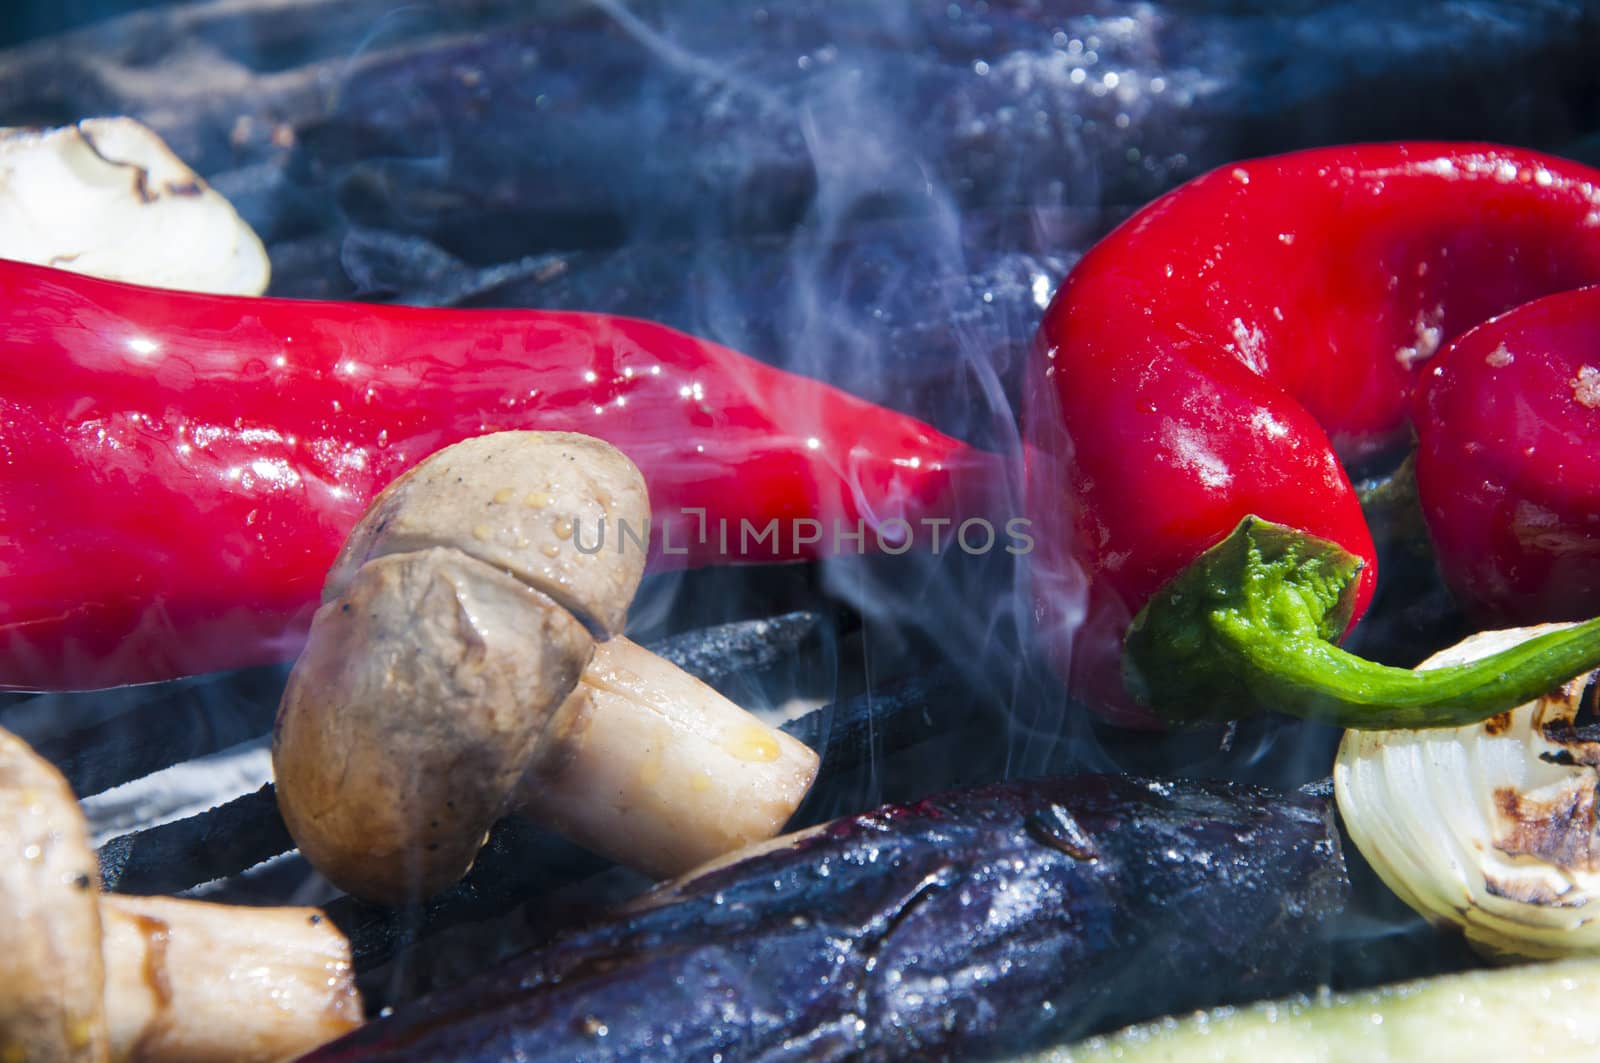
x: 51, y: 970
x: 408, y: 721
x: 547, y: 507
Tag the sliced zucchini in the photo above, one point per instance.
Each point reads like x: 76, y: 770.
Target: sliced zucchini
x: 1544, y: 1012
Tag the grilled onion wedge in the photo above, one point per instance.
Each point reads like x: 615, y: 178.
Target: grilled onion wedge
x: 1491, y: 827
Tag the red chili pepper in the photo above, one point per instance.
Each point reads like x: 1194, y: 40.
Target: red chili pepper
x: 179, y: 470
x: 1201, y: 374
x: 1508, y: 461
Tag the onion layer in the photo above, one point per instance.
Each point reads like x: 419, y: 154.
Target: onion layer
x: 1490, y: 827
x: 107, y: 197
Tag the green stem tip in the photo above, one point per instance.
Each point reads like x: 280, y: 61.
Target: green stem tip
x: 1251, y: 626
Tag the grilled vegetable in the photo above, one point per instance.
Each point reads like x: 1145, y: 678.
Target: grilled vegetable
x: 966, y: 922
x: 1490, y: 827
x: 1542, y: 1012
x: 52, y: 1006
x: 1508, y: 424
x: 106, y: 197
x: 85, y: 977
x: 451, y: 677
x: 1222, y: 351
x: 182, y: 468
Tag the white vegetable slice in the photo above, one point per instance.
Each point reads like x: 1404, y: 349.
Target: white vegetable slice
x: 107, y: 197
x: 1490, y: 828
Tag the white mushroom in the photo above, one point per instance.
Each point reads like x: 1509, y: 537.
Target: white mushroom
x: 107, y: 197
x: 408, y: 720
x: 52, y: 1004
x: 91, y: 977
x: 1491, y: 828
x: 451, y: 677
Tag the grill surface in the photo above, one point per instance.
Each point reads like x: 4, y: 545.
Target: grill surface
x: 383, y: 152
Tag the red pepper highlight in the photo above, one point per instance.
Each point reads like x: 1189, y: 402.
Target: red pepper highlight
x: 179, y: 469
x: 1223, y: 352
x: 1508, y: 461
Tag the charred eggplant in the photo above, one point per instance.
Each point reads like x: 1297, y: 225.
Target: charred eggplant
x: 964, y: 924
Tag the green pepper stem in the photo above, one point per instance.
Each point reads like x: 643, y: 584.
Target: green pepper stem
x: 1250, y: 626
x: 1319, y: 681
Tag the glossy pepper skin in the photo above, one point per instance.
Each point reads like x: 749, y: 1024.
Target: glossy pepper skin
x: 179, y: 470
x: 1508, y: 461
x: 1222, y: 353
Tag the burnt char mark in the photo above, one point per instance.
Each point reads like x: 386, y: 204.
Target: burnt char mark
x: 1569, y: 718
x: 1055, y: 827
x: 1580, y: 746
x: 1525, y: 890
x: 1566, y: 733
x: 936, y: 930
x: 1559, y: 830
x: 1498, y: 724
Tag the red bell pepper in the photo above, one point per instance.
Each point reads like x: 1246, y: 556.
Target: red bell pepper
x: 179, y: 470
x: 1508, y: 461
x: 1201, y: 374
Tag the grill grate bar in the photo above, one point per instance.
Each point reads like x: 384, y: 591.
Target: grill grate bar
x: 177, y: 722
x: 717, y: 653
x: 215, y: 844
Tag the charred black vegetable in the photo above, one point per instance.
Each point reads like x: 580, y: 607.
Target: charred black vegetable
x: 496, y: 128
x: 964, y: 924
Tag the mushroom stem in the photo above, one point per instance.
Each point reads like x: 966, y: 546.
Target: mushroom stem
x: 645, y: 764
x: 51, y: 1003
x: 191, y: 982
x: 92, y: 977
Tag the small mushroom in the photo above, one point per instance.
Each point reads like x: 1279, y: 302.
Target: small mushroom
x: 52, y: 1006
x: 91, y: 977
x: 452, y: 676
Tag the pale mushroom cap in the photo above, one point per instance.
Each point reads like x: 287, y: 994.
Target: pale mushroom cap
x: 107, y: 197
x: 51, y: 976
x: 408, y: 720
x: 534, y: 504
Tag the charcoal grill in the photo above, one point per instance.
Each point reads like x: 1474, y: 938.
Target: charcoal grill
x: 908, y: 674
x: 901, y: 721
x: 238, y: 849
